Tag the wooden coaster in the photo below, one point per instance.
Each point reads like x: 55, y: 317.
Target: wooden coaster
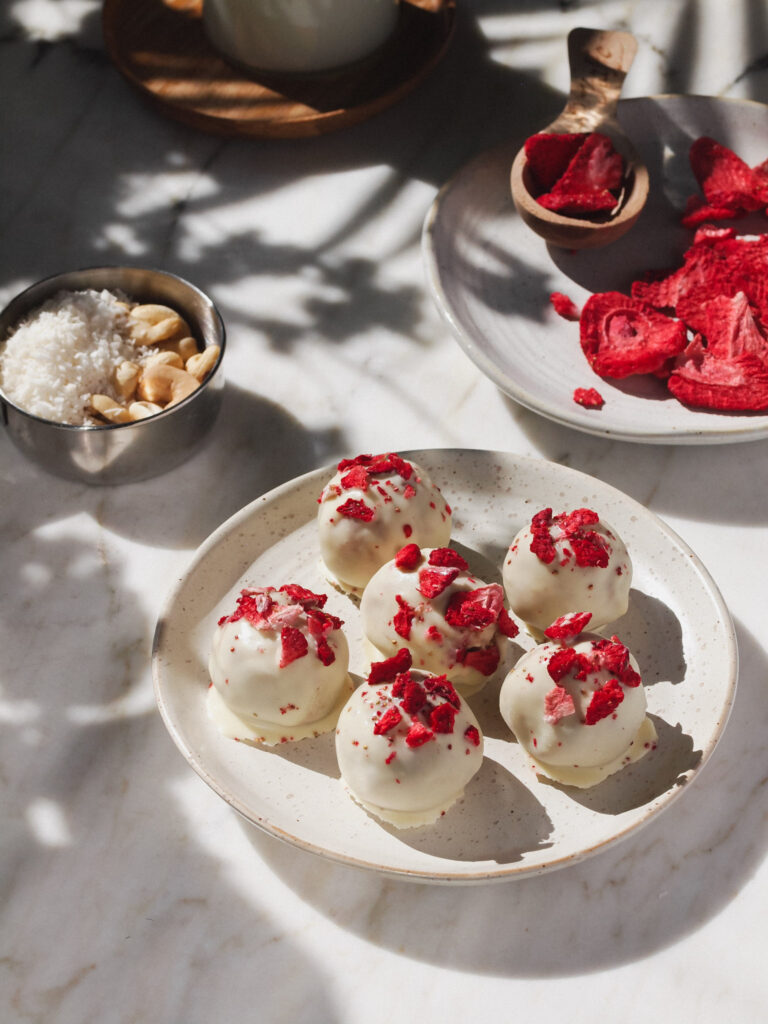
x: 161, y: 48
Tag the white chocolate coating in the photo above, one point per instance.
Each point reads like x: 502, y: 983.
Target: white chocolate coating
x: 253, y: 698
x: 436, y: 645
x: 539, y: 592
x: 569, y: 750
x: 404, y: 510
x: 402, y: 784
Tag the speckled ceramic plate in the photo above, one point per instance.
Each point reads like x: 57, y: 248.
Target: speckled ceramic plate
x: 508, y: 823
x: 491, y: 276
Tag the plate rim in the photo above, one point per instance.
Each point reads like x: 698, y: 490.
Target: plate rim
x: 508, y: 872
x: 740, y: 433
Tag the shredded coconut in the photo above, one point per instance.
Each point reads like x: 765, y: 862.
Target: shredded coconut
x: 65, y: 351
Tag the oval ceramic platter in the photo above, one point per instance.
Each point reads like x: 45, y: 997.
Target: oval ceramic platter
x: 491, y: 276
x: 508, y: 823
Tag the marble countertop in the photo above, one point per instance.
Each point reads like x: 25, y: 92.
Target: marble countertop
x: 131, y: 892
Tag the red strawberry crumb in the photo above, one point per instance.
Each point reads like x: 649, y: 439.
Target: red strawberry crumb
x: 561, y: 663
x: 604, y: 702
x: 558, y: 704
x: 440, y: 686
x: 414, y: 696
x: 590, y: 398
x: 293, y: 645
x: 390, y: 757
x: 407, y: 530
x: 568, y: 626
x: 472, y: 735
x: 432, y: 582
x: 484, y: 660
x: 507, y: 626
x: 357, y: 477
x: 385, y: 671
x: 388, y: 720
x: 408, y: 558
x: 418, y: 735
x: 355, y: 509
x: 325, y: 651
x: 541, y: 541
x: 475, y: 609
x: 403, y: 618
x: 433, y: 633
x: 442, y: 717
x: 447, y: 557
x: 409, y: 492
x: 303, y: 596
x: 564, y: 307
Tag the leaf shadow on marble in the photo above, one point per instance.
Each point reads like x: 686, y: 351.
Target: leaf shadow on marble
x: 645, y: 893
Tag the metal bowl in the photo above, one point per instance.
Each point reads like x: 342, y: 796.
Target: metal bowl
x: 124, y: 452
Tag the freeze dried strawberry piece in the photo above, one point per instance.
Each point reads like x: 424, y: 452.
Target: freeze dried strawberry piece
x: 252, y: 605
x: 324, y: 651
x: 739, y: 384
x: 558, y: 704
x: 570, y: 523
x: 733, y: 329
x: 359, y: 460
x: 507, y: 626
x: 303, y: 596
x: 403, y: 619
x: 561, y: 663
x: 293, y: 645
x: 484, y: 660
x: 542, y: 544
x: 356, y: 509
x: 604, y: 702
x: 357, y: 477
x: 391, y: 463
x: 564, y: 307
x: 440, y: 686
x: 408, y: 558
x: 572, y: 203
x: 388, y: 720
x: 548, y: 155
x: 447, y: 556
x: 568, y: 626
x: 596, y: 165
x: 398, y: 686
x: 433, y: 633
x: 413, y: 695
x: 589, y: 398
x: 441, y: 718
x: 711, y: 233
x: 697, y: 212
x: 418, y: 735
x: 472, y: 735
x: 319, y: 623
x: 724, y: 178
x: 475, y: 609
x: 387, y: 670
x: 621, y: 336
x: 432, y: 582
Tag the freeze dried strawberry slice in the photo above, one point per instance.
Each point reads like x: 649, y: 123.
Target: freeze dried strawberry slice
x: 733, y: 330
x: 597, y: 200
x: 388, y: 720
x: 568, y: 626
x: 621, y: 336
x: 738, y: 384
x: 604, y: 702
x: 447, y: 556
x: 596, y: 165
x: 558, y: 704
x: 484, y: 660
x: 418, y: 735
x: 475, y: 609
x: 589, y: 398
x: 387, y: 670
x: 432, y: 582
x: 353, y: 508
x: 442, y: 718
x: 564, y: 307
x: 548, y: 155
x: 403, y: 619
x: 293, y: 645
x: 408, y: 558
x: 724, y: 178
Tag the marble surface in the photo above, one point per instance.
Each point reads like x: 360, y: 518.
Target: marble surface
x: 131, y: 892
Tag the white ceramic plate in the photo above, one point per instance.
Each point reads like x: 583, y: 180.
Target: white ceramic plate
x: 509, y: 823
x: 491, y: 276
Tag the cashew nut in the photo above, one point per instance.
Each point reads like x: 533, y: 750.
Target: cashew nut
x: 165, y: 385
x: 152, y: 323
x: 185, y: 347
x: 167, y: 356
x: 109, y: 409
x: 201, y: 363
x: 126, y: 379
x: 141, y: 410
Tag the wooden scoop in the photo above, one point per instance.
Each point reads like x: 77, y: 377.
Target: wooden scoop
x: 599, y: 62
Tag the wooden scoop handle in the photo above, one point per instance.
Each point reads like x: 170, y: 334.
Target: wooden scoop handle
x: 599, y: 63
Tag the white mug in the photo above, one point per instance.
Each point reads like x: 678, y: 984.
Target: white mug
x: 298, y: 35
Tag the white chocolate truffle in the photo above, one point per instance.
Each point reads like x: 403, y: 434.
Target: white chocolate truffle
x: 372, y: 507
x: 428, y: 601
x: 567, y: 563
x: 408, y: 747
x: 278, y: 667
x: 579, y: 711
